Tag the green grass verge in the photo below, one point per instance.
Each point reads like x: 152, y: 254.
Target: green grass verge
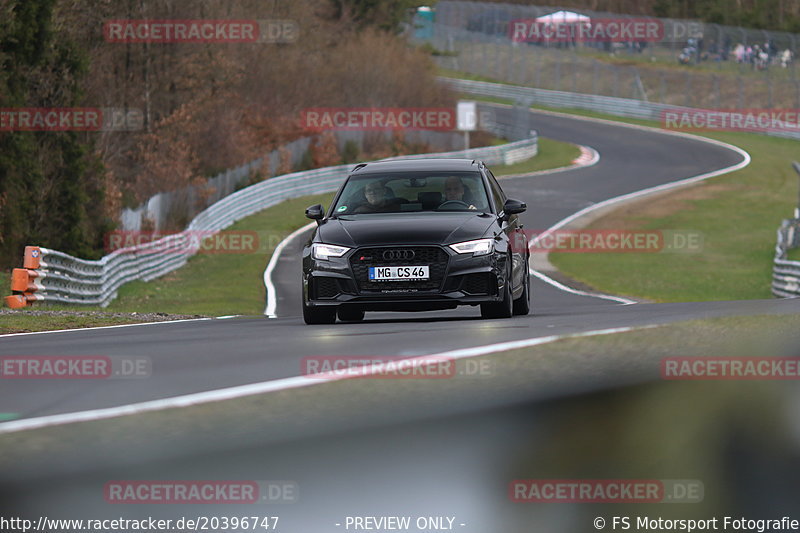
x: 737, y: 214
x: 221, y: 284
x: 552, y: 154
x: 26, y: 321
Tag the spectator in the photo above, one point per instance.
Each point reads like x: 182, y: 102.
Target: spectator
x: 786, y: 58
x: 738, y: 53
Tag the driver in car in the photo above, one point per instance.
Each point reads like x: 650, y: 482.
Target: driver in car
x: 454, y: 191
x: 375, y: 193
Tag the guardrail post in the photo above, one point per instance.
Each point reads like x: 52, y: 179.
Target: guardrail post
x: 796, y: 167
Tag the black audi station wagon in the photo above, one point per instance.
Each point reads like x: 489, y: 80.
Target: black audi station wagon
x: 416, y: 235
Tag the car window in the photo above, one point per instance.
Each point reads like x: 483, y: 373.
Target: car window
x: 407, y: 192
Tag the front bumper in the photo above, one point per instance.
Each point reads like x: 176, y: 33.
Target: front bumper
x: 456, y: 279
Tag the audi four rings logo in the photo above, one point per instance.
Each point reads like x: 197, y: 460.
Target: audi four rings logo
x: 405, y: 255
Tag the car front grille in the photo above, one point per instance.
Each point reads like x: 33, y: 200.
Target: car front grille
x: 432, y: 256
x: 325, y: 287
x: 478, y: 283
x: 330, y: 287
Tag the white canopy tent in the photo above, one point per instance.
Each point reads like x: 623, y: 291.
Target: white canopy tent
x: 563, y: 17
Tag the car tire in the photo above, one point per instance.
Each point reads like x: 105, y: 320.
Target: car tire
x: 522, y: 305
x: 503, y: 308
x: 348, y: 314
x: 318, y: 315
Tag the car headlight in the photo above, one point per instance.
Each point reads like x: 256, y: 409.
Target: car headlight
x: 477, y: 247
x: 325, y: 251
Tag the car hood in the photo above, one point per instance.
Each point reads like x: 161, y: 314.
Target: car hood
x: 433, y: 228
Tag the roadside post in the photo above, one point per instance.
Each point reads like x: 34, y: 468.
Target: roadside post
x: 796, y: 166
x: 467, y: 119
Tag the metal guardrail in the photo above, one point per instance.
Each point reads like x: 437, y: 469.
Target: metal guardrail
x: 189, y: 201
x: 53, y: 276
x: 785, y: 273
x: 610, y: 105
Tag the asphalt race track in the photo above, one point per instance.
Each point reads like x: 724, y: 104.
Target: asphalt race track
x: 436, y: 458
x: 195, y: 356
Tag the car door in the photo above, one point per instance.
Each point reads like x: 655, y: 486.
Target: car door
x: 512, y: 228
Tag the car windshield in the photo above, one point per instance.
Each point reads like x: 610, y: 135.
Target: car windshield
x: 407, y: 192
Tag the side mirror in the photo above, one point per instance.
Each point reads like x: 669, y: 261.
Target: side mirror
x: 513, y: 207
x: 315, y: 212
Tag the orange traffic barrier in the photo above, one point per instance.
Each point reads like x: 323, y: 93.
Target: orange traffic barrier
x: 16, y: 301
x: 23, y: 280
x: 32, y: 257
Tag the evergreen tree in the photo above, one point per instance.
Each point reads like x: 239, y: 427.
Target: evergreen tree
x: 49, y: 192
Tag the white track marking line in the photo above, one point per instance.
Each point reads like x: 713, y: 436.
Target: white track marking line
x: 272, y: 294
x: 589, y: 157
x: 105, y: 327
x: 240, y: 391
x: 666, y: 186
x: 565, y: 288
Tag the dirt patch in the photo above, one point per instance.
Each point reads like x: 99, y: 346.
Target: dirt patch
x: 630, y: 215
x: 141, y: 317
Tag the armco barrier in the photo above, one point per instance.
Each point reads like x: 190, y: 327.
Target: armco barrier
x: 785, y: 273
x: 610, y: 105
x: 53, y: 276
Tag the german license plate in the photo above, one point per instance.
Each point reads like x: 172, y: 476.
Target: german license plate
x: 398, y: 273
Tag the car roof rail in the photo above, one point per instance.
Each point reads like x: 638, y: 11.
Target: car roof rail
x: 358, y: 166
